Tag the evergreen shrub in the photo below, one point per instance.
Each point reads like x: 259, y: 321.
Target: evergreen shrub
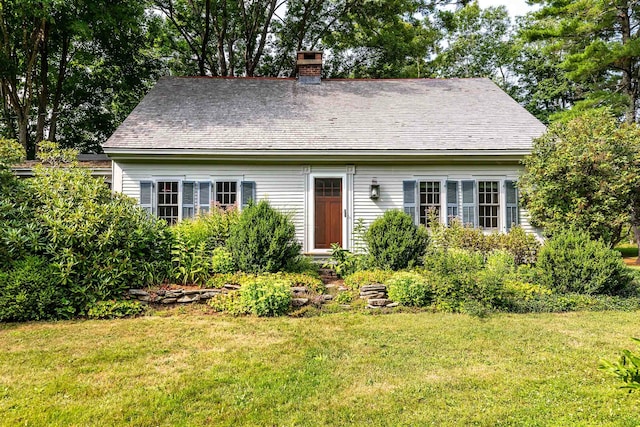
x: 571, y: 261
x: 263, y: 240
x: 395, y: 242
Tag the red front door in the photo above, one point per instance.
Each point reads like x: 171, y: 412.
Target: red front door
x: 328, y: 215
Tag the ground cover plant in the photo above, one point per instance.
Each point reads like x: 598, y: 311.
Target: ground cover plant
x: 340, y: 369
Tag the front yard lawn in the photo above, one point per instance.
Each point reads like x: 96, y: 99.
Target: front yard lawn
x: 341, y: 369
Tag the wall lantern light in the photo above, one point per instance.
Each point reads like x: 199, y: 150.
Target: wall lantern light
x: 374, y: 190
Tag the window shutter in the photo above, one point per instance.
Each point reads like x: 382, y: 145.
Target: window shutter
x: 512, y: 204
x: 452, y: 201
x: 188, y: 199
x: 204, y: 197
x: 248, y: 193
x: 409, y: 191
x: 469, y: 203
x: 146, y: 196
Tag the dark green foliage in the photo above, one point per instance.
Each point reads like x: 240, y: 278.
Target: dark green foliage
x: 29, y: 291
x: 345, y: 262
x: 559, y: 303
x: 263, y: 240
x: 411, y: 289
x: 572, y: 262
x: 395, y: 242
x: 211, y: 229
x: 114, y: 309
x: 265, y: 296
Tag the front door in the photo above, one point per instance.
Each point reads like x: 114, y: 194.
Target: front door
x: 328, y: 215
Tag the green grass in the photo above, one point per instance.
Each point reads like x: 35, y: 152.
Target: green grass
x: 342, y: 369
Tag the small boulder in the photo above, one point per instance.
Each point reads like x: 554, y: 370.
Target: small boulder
x: 299, y: 302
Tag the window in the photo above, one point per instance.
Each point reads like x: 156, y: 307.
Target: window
x: 488, y: 203
x: 168, y: 201
x: 429, y: 201
x: 226, y: 194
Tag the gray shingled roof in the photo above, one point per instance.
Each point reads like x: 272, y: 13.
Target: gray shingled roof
x: 281, y: 114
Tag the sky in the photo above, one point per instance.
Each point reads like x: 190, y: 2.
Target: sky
x: 515, y: 7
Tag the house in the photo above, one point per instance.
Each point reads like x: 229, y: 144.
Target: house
x: 99, y: 164
x: 330, y: 152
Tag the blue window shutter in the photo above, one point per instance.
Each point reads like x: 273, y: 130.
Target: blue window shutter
x: 409, y: 203
x: 469, y: 207
x: 453, y: 211
x: 512, y: 204
x: 188, y: 199
x: 248, y: 193
x: 204, y: 197
x: 146, y: 196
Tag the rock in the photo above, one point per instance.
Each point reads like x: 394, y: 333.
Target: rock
x: 208, y: 295
x: 138, y: 292
x: 189, y: 298
x: 327, y: 297
x: 373, y: 288
x: 168, y: 300
x: 299, y: 289
x: 144, y: 298
x: 191, y: 291
x: 161, y: 292
x: 379, y: 302
x: 372, y: 306
x: 330, y: 285
x: 299, y: 302
x: 393, y: 304
x: 174, y: 293
x: 231, y: 287
x: 342, y: 288
x: 372, y: 294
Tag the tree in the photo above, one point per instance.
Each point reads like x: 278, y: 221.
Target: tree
x: 70, y: 64
x: 597, y: 41
x: 585, y: 172
x: 475, y: 43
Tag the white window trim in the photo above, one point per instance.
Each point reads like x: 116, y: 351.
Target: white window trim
x: 443, y: 195
x: 311, y: 217
x: 237, y: 179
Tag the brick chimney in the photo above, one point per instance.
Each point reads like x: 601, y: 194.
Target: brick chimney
x: 309, y: 67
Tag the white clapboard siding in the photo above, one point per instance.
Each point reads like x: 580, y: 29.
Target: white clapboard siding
x: 283, y: 186
x: 288, y: 187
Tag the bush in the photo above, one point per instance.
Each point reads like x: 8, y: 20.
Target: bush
x: 114, y: 309
x: 222, y: 261
x: 366, y: 277
x: 211, y: 229
x: 454, y: 261
x: 572, y: 262
x: 344, y: 297
x: 523, y: 246
x: 263, y: 240
x: 395, y: 242
x: 627, y: 369
x: 264, y: 296
x: 345, y: 262
x: 545, y: 302
x: 29, y: 291
x: 410, y: 289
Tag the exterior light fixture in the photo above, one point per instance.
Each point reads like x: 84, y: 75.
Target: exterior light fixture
x: 374, y: 190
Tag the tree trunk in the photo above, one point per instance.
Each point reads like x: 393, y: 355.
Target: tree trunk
x: 55, y: 106
x: 43, y: 92
x: 628, y: 83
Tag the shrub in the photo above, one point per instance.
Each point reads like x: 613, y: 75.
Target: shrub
x: 410, y: 289
x: 212, y: 228
x: 558, y: 303
x: 627, y: 369
x: 263, y: 240
x: 345, y: 262
x: 454, y: 261
x: 114, y: 309
x: 219, y: 280
x: 29, y: 291
x: 366, y: 277
x: 313, y: 283
x: 191, y: 263
x: 222, y: 261
x: 522, y: 245
x: 227, y: 303
x: 572, y: 262
x: 344, y: 297
x: 395, y: 242
x: 264, y: 296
